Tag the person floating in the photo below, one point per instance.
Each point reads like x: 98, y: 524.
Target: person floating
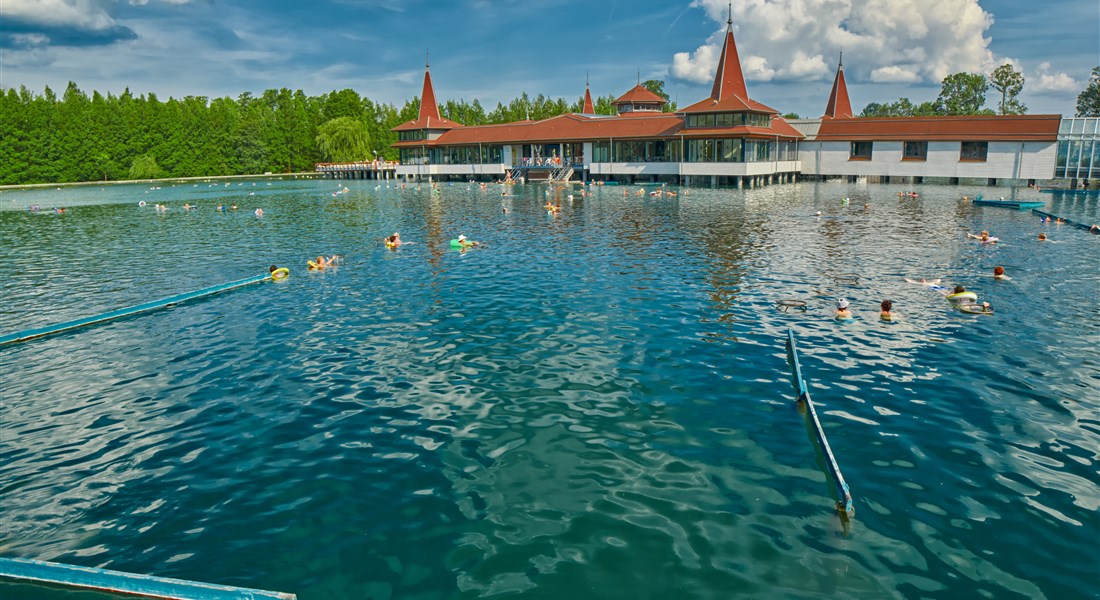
x: 1042, y: 237
x: 278, y: 274
x: 462, y: 243
x: 259, y: 212
x: 974, y: 308
x: 842, y: 311
x: 887, y: 311
x: 999, y: 273
x: 393, y: 241
x: 959, y: 295
x: 983, y: 237
x: 322, y: 263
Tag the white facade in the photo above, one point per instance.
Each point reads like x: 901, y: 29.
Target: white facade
x: 473, y: 170
x: 1004, y: 160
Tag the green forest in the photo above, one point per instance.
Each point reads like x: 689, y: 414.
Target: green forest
x: 76, y: 137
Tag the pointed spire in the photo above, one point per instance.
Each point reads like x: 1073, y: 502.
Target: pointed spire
x: 839, y: 106
x: 428, y: 106
x: 728, y: 79
x: 589, y: 108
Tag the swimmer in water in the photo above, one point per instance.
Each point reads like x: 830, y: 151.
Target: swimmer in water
x: 887, y: 314
x: 394, y: 240
x: 842, y: 311
x: 983, y: 238
x: 999, y: 273
x: 952, y: 295
x: 1042, y: 237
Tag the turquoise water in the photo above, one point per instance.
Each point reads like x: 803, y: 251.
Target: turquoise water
x: 592, y: 404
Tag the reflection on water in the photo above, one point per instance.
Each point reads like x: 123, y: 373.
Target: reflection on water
x: 594, y: 403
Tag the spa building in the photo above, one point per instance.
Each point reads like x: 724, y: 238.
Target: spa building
x: 731, y: 139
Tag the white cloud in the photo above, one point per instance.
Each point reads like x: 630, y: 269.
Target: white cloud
x: 1056, y: 83
x: 883, y: 40
x: 895, y: 74
x: 79, y: 14
x: 697, y: 67
x: 29, y: 40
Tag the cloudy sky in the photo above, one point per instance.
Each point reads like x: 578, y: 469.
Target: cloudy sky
x: 493, y: 50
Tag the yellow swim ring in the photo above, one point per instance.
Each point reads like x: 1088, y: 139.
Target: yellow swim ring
x: 280, y: 274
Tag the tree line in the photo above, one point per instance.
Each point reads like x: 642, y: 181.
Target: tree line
x: 961, y: 94
x: 76, y: 137
x: 49, y: 139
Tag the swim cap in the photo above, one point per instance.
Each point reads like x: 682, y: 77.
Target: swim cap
x: 842, y: 304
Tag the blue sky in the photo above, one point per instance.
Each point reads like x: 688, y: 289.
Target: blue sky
x: 494, y: 50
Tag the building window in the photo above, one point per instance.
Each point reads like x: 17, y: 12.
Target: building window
x: 973, y: 151
x: 914, y: 151
x: 860, y: 151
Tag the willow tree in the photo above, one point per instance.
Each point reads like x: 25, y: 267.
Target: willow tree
x: 144, y: 167
x: 343, y: 139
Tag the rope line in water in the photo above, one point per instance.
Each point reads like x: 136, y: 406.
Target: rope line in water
x: 30, y: 334
x: 844, y: 495
x: 147, y: 586
x: 1087, y: 228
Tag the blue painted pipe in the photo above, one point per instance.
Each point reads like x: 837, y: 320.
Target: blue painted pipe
x: 118, y: 582
x: 30, y: 334
x: 1087, y: 228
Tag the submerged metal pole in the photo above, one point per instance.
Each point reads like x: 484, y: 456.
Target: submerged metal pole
x: 844, y: 495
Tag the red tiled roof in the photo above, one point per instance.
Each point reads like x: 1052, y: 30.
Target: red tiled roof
x: 427, y: 123
x: 839, y: 106
x: 729, y: 104
x: 983, y: 128
x: 577, y: 128
x: 640, y: 94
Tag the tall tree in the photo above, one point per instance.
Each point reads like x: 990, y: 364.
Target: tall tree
x: 658, y: 87
x: 963, y: 94
x: 1009, y: 82
x: 1088, y: 101
x: 343, y: 139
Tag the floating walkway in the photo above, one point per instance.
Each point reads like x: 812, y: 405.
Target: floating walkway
x: 1088, y: 228
x: 1016, y: 204
x: 844, y: 495
x: 30, y: 334
x: 146, y: 586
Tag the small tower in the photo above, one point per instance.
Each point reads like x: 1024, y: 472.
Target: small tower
x: 429, y: 109
x: 639, y: 99
x: 589, y: 108
x: 728, y: 79
x: 839, y: 107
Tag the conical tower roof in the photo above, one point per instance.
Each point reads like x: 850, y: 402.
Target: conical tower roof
x: 728, y: 79
x: 589, y: 108
x: 728, y: 92
x: 839, y: 106
x: 429, y: 110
